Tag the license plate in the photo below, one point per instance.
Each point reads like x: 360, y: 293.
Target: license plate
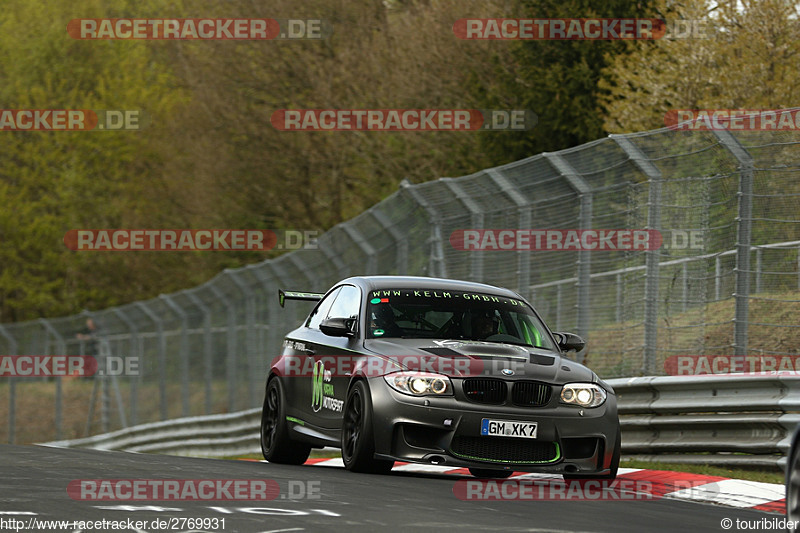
x: 508, y: 428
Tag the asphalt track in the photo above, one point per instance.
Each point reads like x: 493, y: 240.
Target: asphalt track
x: 34, y: 481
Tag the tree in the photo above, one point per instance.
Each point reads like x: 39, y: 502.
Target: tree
x: 747, y: 61
x: 561, y: 81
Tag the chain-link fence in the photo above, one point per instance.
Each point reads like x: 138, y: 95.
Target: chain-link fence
x: 727, y: 280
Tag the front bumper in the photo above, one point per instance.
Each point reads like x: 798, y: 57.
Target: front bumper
x: 446, y: 431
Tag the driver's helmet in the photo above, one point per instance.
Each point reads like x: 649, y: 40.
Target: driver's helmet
x: 483, y: 324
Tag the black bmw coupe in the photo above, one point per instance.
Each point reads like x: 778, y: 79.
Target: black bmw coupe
x: 436, y: 371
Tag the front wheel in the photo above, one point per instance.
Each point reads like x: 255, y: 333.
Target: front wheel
x: 358, y: 437
x: 485, y: 473
x: 276, y: 444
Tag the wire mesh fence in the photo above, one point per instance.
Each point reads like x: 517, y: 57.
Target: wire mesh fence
x: 726, y: 279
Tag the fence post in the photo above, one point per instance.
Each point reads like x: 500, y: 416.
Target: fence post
x: 61, y: 348
x: 294, y: 259
x: 334, y: 258
x: 523, y: 222
x: 399, y: 238
x: 758, y: 269
x: 281, y: 320
x: 584, y: 192
x: 12, y: 388
x: 162, y: 358
x: 274, y: 280
x: 717, y: 278
x: 274, y: 343
x: 437, y: 266
x: 476, y: 220
x: 250, y: 348
x: 559, y: 298
x: 230, y: 360
x: 362, y: 243
x: 136, y: 351
x: 743, y: 238
x: 685, y: 282
x: 651, y: 286
x: 207, y: 341
x: 183, y: 352
x: 265, y: 340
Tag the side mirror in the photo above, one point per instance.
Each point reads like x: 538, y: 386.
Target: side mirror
x: 569, y: 341
x: 337, y: 327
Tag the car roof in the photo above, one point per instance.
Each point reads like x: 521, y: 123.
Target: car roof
x: 370, y: 283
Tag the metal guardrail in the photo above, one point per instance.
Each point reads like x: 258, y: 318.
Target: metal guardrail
x: 721, y: 420
x: 725, y: 420
x: 226, y: 435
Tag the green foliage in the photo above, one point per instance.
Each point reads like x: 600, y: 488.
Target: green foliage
x: 209, y: 157
x: 558, y: 80
x: 51, y: 182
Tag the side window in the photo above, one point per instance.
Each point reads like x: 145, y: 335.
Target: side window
x: 321, y: 311
x: 347, y: 303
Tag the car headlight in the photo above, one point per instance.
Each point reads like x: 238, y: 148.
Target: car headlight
x: 583, y: 394
x: 420, y: 383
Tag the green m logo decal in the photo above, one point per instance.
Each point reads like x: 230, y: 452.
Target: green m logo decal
x: 317, y: 386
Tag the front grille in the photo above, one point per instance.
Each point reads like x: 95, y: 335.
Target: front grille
x: 530, y: 394
x: 505, y: 450
x: 491, y: 391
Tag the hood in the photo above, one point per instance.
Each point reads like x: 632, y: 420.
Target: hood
x: 462, y: 358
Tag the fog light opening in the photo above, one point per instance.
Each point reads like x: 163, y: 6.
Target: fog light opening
x: 570, y: 469
x: 436, y: 460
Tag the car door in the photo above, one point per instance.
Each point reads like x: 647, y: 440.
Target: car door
x: 334, y: 361
x: 301, y: 348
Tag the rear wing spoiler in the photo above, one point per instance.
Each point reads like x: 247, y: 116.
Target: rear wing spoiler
x: 294, y: 295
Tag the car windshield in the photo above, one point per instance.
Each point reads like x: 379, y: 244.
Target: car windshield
x: 438, y: 314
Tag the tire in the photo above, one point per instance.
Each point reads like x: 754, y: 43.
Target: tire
x: 612, y: 475
x: 276, y: 444
x: 793, y: 482
x: 485, y: 473
x: 358, y: 439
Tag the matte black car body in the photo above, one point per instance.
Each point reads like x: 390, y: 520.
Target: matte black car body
x: 571, y: 440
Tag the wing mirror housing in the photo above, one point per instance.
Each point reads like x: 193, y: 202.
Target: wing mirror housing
x: 569, y: 341
x: 337, y: 327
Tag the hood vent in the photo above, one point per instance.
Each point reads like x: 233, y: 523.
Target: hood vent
x: 441, y: 351
x: 543, y: 360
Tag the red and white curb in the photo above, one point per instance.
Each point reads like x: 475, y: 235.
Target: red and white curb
x: 717, y: 490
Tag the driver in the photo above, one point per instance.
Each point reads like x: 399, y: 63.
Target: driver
x: 383, y: 318
x: 483, y: 325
